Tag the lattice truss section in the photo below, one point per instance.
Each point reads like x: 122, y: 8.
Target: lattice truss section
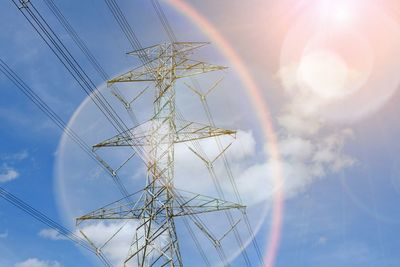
x: 186, y: 131
x: 155, y: 241
x: 136, y: 206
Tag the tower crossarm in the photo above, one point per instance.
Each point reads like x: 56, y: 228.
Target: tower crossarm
x: 192, y: 203
x: 182, y: 69
x: 185, y: 204
x: 178, y: 53
x: 185, y: 131
x: 125, y: 208
x: 190, y: 131
x: 140, y: 74
x: 180, y: 48
x: 189, y: 68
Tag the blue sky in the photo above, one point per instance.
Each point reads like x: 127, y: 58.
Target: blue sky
x: 340, y: 212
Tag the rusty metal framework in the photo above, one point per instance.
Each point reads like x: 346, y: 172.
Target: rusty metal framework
x: 155, y: 208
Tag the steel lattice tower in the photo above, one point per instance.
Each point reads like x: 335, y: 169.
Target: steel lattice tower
x: 155, y: 208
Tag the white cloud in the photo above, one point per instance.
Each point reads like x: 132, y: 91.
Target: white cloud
x: 51, y: 234
x: 191, y: 172
x: 8, y: 174
x: 322, y: 240
x: 16, y: 156
x: 298, y: 125
x: 359, y: 254
x: 4, y: 235
x: 21, y: 155
x: 308, y: 147
x: 308, y: 150
x: 117, y: 246
x: 255, y: 183
x: 244, y: 146
x: 34, y: 262
x: 306, y: 155
x: 296, y: 147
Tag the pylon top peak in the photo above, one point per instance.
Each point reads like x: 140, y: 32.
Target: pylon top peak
x: 182, y: 48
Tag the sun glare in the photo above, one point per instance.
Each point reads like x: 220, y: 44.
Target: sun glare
x: 337, y: 12
x: 341, y: 12
x: 323, y: 72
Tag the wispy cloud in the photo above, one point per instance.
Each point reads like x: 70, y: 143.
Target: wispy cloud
x: 306, y: 155
x: 8, y: 174
x: 310, y: 148
x: 15, y: 156
x: 4, y: 235
x: 118, y: 237
x: 34, y: 122
x: 322, y: 240
x: 51, y: 234
x: 34, y: 262
x: 357, y: 253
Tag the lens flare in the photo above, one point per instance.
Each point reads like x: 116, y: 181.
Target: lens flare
x: 324, y: 72
x: 342, y: 13
x: 338, y: 61
x: 339, y: 12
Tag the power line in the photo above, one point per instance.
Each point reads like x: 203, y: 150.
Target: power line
x: 86, y: 51
x: 69, y: 62
x: 52, y: 115
x: 52, y: 40
x: 164, y: 21
x: 39, y: 216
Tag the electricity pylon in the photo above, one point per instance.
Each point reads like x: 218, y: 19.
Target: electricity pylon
x: 154, y: 208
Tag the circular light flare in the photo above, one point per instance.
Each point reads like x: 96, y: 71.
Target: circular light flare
x: 264, y: 117
x: 338, y: 12
x: 367, y: 47
x: 325, y: 73
x: 342, y: 12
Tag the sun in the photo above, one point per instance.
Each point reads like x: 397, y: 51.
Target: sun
x: 342, y: 12
x: 338, y: 12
